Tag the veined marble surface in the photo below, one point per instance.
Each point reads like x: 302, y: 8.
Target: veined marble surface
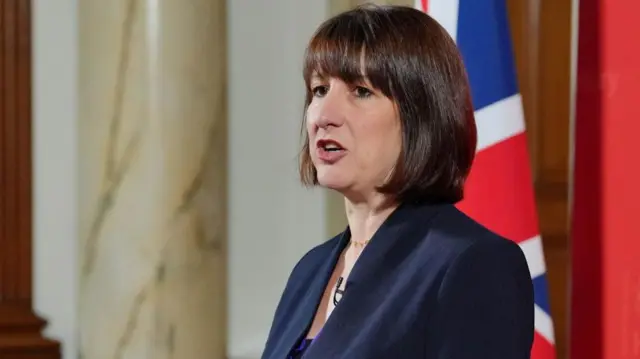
x: 152, y: 127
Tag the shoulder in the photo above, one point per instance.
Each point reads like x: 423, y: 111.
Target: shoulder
x: 296, y: 288
x: 476, y: 254
x: 485, y: 294
x: 304, y: 272
x: 307, y: 267
x: 461, y: 239
x: 315, y: 257
x: 462, y: 250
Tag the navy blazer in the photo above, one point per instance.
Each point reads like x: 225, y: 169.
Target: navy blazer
x: 431, y: 283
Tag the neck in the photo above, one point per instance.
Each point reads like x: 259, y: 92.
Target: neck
x: 365, y: 217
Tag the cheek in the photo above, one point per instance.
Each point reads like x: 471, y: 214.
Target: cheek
x: 309, y: 123
x: 397, y: 140
x: 393, y: 133
x: 385, y: 143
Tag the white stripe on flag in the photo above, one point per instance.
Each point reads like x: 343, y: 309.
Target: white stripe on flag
x: 543, y: 324
x: 446, y: 13
x: 499, y: 121
x: 533, y: 251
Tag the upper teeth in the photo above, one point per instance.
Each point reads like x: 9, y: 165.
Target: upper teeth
x: 331, y: 146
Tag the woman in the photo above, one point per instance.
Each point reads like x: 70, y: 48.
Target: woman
x: 389, y: 124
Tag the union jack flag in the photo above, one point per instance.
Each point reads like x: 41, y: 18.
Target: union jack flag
x: 499, y: 192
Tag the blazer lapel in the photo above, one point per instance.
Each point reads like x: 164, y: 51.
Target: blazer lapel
x: 303, y: 316
x: 396, y: 233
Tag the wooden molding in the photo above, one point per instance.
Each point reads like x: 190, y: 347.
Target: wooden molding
x: 20, y: 328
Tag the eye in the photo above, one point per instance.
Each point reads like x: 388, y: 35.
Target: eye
x: 319, y: 91
x: 362, y: 92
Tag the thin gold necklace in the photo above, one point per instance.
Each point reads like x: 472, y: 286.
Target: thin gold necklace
x: 360, y: 244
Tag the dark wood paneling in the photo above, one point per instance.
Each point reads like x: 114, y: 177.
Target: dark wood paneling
x: 20, y: 328
x: 542, y: 45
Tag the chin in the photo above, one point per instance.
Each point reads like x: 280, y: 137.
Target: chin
x: 333, y: 179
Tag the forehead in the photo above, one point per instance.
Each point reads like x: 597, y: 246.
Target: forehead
x: 351, y: 49
x: 332, y: 58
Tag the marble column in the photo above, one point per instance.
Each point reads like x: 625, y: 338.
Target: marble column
x: 152, y: 169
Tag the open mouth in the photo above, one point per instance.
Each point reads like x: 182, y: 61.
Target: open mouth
x: 330, y: 151
x: 330, y: 145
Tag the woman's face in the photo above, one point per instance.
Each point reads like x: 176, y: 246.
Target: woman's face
x: 354, y: 135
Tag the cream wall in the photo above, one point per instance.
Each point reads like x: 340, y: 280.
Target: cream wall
x: 55, y: 167
x: 272, y: 219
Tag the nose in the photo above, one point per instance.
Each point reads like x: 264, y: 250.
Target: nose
x: 327, y: 111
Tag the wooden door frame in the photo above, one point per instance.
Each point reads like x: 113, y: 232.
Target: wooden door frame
x: 20, y: 328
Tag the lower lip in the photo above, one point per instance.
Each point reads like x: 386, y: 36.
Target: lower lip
x: 330, y: 157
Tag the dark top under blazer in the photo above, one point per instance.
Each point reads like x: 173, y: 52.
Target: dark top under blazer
x: 432, y: 283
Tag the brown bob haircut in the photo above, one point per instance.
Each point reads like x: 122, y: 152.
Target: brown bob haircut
x: 413, y: 61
